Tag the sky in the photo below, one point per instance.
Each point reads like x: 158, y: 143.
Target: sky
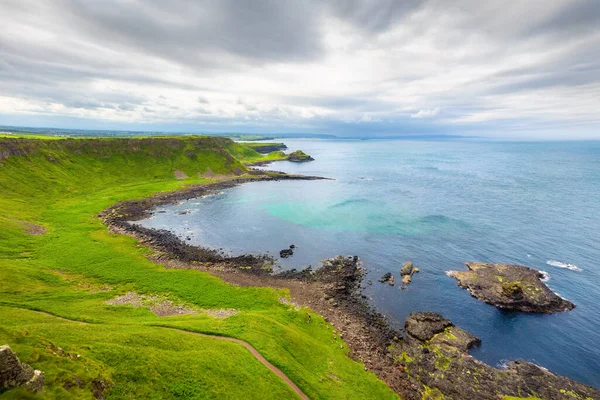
x: 514, y: 69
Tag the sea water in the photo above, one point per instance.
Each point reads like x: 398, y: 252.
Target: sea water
x: 438, y: 204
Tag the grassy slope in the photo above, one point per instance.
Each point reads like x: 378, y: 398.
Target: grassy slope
x: 125, y: 344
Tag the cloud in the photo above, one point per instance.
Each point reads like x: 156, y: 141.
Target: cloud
x: 384, y: 65
x: 426, y: 113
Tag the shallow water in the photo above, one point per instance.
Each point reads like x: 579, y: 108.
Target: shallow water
x: 438, y: 204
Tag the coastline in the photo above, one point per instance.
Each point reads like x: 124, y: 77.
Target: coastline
x: 332, y: 291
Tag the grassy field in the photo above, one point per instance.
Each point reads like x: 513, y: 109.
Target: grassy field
x: 59, y: 266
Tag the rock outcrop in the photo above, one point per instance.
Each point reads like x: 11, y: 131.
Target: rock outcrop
x: 510, y: 287
x: 435, y: 353
x: 407, y: 270
x: 299, y: 156
x: 14, y: 374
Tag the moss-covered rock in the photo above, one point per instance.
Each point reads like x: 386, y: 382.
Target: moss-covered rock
x: 435, y: 354
x: 510, y: 287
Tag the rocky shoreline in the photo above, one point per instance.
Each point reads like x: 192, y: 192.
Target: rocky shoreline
x: 432, y: 359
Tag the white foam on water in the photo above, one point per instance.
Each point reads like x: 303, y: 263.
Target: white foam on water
x: 560, y: 264
x: 449, y: 273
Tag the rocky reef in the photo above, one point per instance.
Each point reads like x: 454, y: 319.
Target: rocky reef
x: 435, y: 353
x: 510, y: 287
x: 14, y: 374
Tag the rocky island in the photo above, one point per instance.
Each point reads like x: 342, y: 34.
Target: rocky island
x: 510, y: 287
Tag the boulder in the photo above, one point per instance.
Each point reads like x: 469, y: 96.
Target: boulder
x: 14, y: 374
x: 285, y: 253
x: 386, y: 278
x: 407, y: 270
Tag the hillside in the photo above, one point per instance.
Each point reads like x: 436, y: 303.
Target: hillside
x: 59, y: 266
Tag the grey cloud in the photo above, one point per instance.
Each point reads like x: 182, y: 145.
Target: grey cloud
x: 574, y: 18
x: 374, y: 16
x: 194, y: 32
x: 152, y: 43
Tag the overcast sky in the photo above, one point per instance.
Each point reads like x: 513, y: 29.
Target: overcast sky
x: 377, y: 67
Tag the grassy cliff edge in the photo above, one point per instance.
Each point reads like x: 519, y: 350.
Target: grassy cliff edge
x: 59, y: 266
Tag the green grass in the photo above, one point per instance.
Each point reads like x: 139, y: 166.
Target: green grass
x: 62, y: 186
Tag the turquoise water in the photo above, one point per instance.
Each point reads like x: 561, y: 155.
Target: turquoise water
x: 438, y: 204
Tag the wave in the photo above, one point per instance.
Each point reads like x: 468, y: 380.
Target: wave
x: 560, y: 264
x: 545, y: 276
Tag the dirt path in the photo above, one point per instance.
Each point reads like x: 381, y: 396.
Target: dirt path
x: 252, y: 350
x: 256, y: 354
x: 45, y: 313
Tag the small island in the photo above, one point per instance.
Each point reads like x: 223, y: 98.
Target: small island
x: 510, y: 287
x: 299, y: 156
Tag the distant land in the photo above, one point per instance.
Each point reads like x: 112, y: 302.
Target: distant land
x: 74, y: 133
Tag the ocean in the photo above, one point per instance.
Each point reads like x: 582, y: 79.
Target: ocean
x: 438, y: 204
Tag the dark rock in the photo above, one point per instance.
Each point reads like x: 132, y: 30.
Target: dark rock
x: 285, y: 253
x: 510, y: 287
x: 14, y: 374
x: 424, y: 325
x: 435, y: 354
x: 387, y: 277
x: 292, y: 246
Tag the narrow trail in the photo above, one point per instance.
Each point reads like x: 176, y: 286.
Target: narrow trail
x: 256, y: 354
x: 252, y: 350
x: 46, y: 314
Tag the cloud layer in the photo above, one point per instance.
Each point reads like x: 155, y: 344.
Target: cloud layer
x: 385, y: 67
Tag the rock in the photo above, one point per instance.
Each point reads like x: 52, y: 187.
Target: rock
x: 36, y: 383
x: 292, y: 246
x: 435, y: 354
x: 423, y: 325
x: 285, y: 253
x: 391, y: 281
x: 387, y: 277
x: 407, y: 270
x: 14, y: 374
x: 510, y: 287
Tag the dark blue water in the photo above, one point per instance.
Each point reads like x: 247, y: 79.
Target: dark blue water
x: 438, y: 204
